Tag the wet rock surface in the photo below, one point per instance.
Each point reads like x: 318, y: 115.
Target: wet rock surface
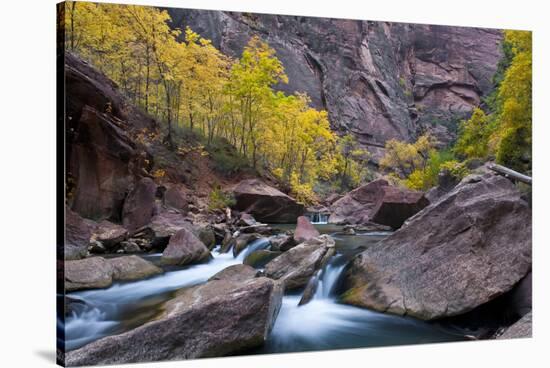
x: 471, y: 246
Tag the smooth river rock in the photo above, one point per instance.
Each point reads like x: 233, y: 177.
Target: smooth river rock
x: 266, y: 203
x: 99, y: 272
x: 296, y: 266
x: 214, y: 319
x: 466, y: 249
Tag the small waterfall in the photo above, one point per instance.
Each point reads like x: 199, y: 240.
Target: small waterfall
x: 318, y: 218
x: 258, y: 244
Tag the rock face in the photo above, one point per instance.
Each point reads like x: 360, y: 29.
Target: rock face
x: 521, y: 329
x: 214, y: 319
x: 377, y: 202
x: 378, y: 80
x: 184, y: 248
x: 295, y: 267
x: 304, y: 230
x: 176, y: 198
x: 471, y: 246
x: 77, y: 236
x: 100, y: 156
x: 266, y: 203
x: 98, y: 272
x: 139, y: 206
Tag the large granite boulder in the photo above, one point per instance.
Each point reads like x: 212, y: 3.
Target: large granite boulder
x: 139, y: 207
x: 78, y: 232
x: 377, y: 202
x: 98, y: 272
x: 184, y: 248
x: 215, y: 319
x: 304, y: 230
x: 356, y: 206
x: 176, y: 197
x: 266, y: 203
x: 296, y: 266
x: 466, y: 249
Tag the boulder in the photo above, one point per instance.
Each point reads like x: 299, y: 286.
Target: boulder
x: 165, y: 224
x: 260, y: 257
x: 396, y: 205
x: 238, y: 272
x: 295, y: 267
x: 88, y: 273
x: 129, y: 268
x: 207, y: 236
x: 465, y: 250
x: 266, y: 203
x: 98, y: 272
x: 175, y: 197
x: 304, y: 230
x: 184, y: 248
x: 218, y: 318
x: 246, y: 219
x: 378, y: 202
x: 139, y: 206
x: 521, y: 329
x: 109, y: 234
x: 77, y: 236
x: 356, y: 206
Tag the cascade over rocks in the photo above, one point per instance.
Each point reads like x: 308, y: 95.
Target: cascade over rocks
x: 266, y: 203
x: 466, y: 249
x: 296, y: 266
x: 214, y: 319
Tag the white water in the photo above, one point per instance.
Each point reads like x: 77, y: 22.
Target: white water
x: 100, y: 315
x: 323, y: 323
x: 318, y: 218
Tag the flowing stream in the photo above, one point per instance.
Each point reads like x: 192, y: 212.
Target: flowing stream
x: 321, y: 324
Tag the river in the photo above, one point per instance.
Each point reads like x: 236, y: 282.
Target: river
x: 324, y: 323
